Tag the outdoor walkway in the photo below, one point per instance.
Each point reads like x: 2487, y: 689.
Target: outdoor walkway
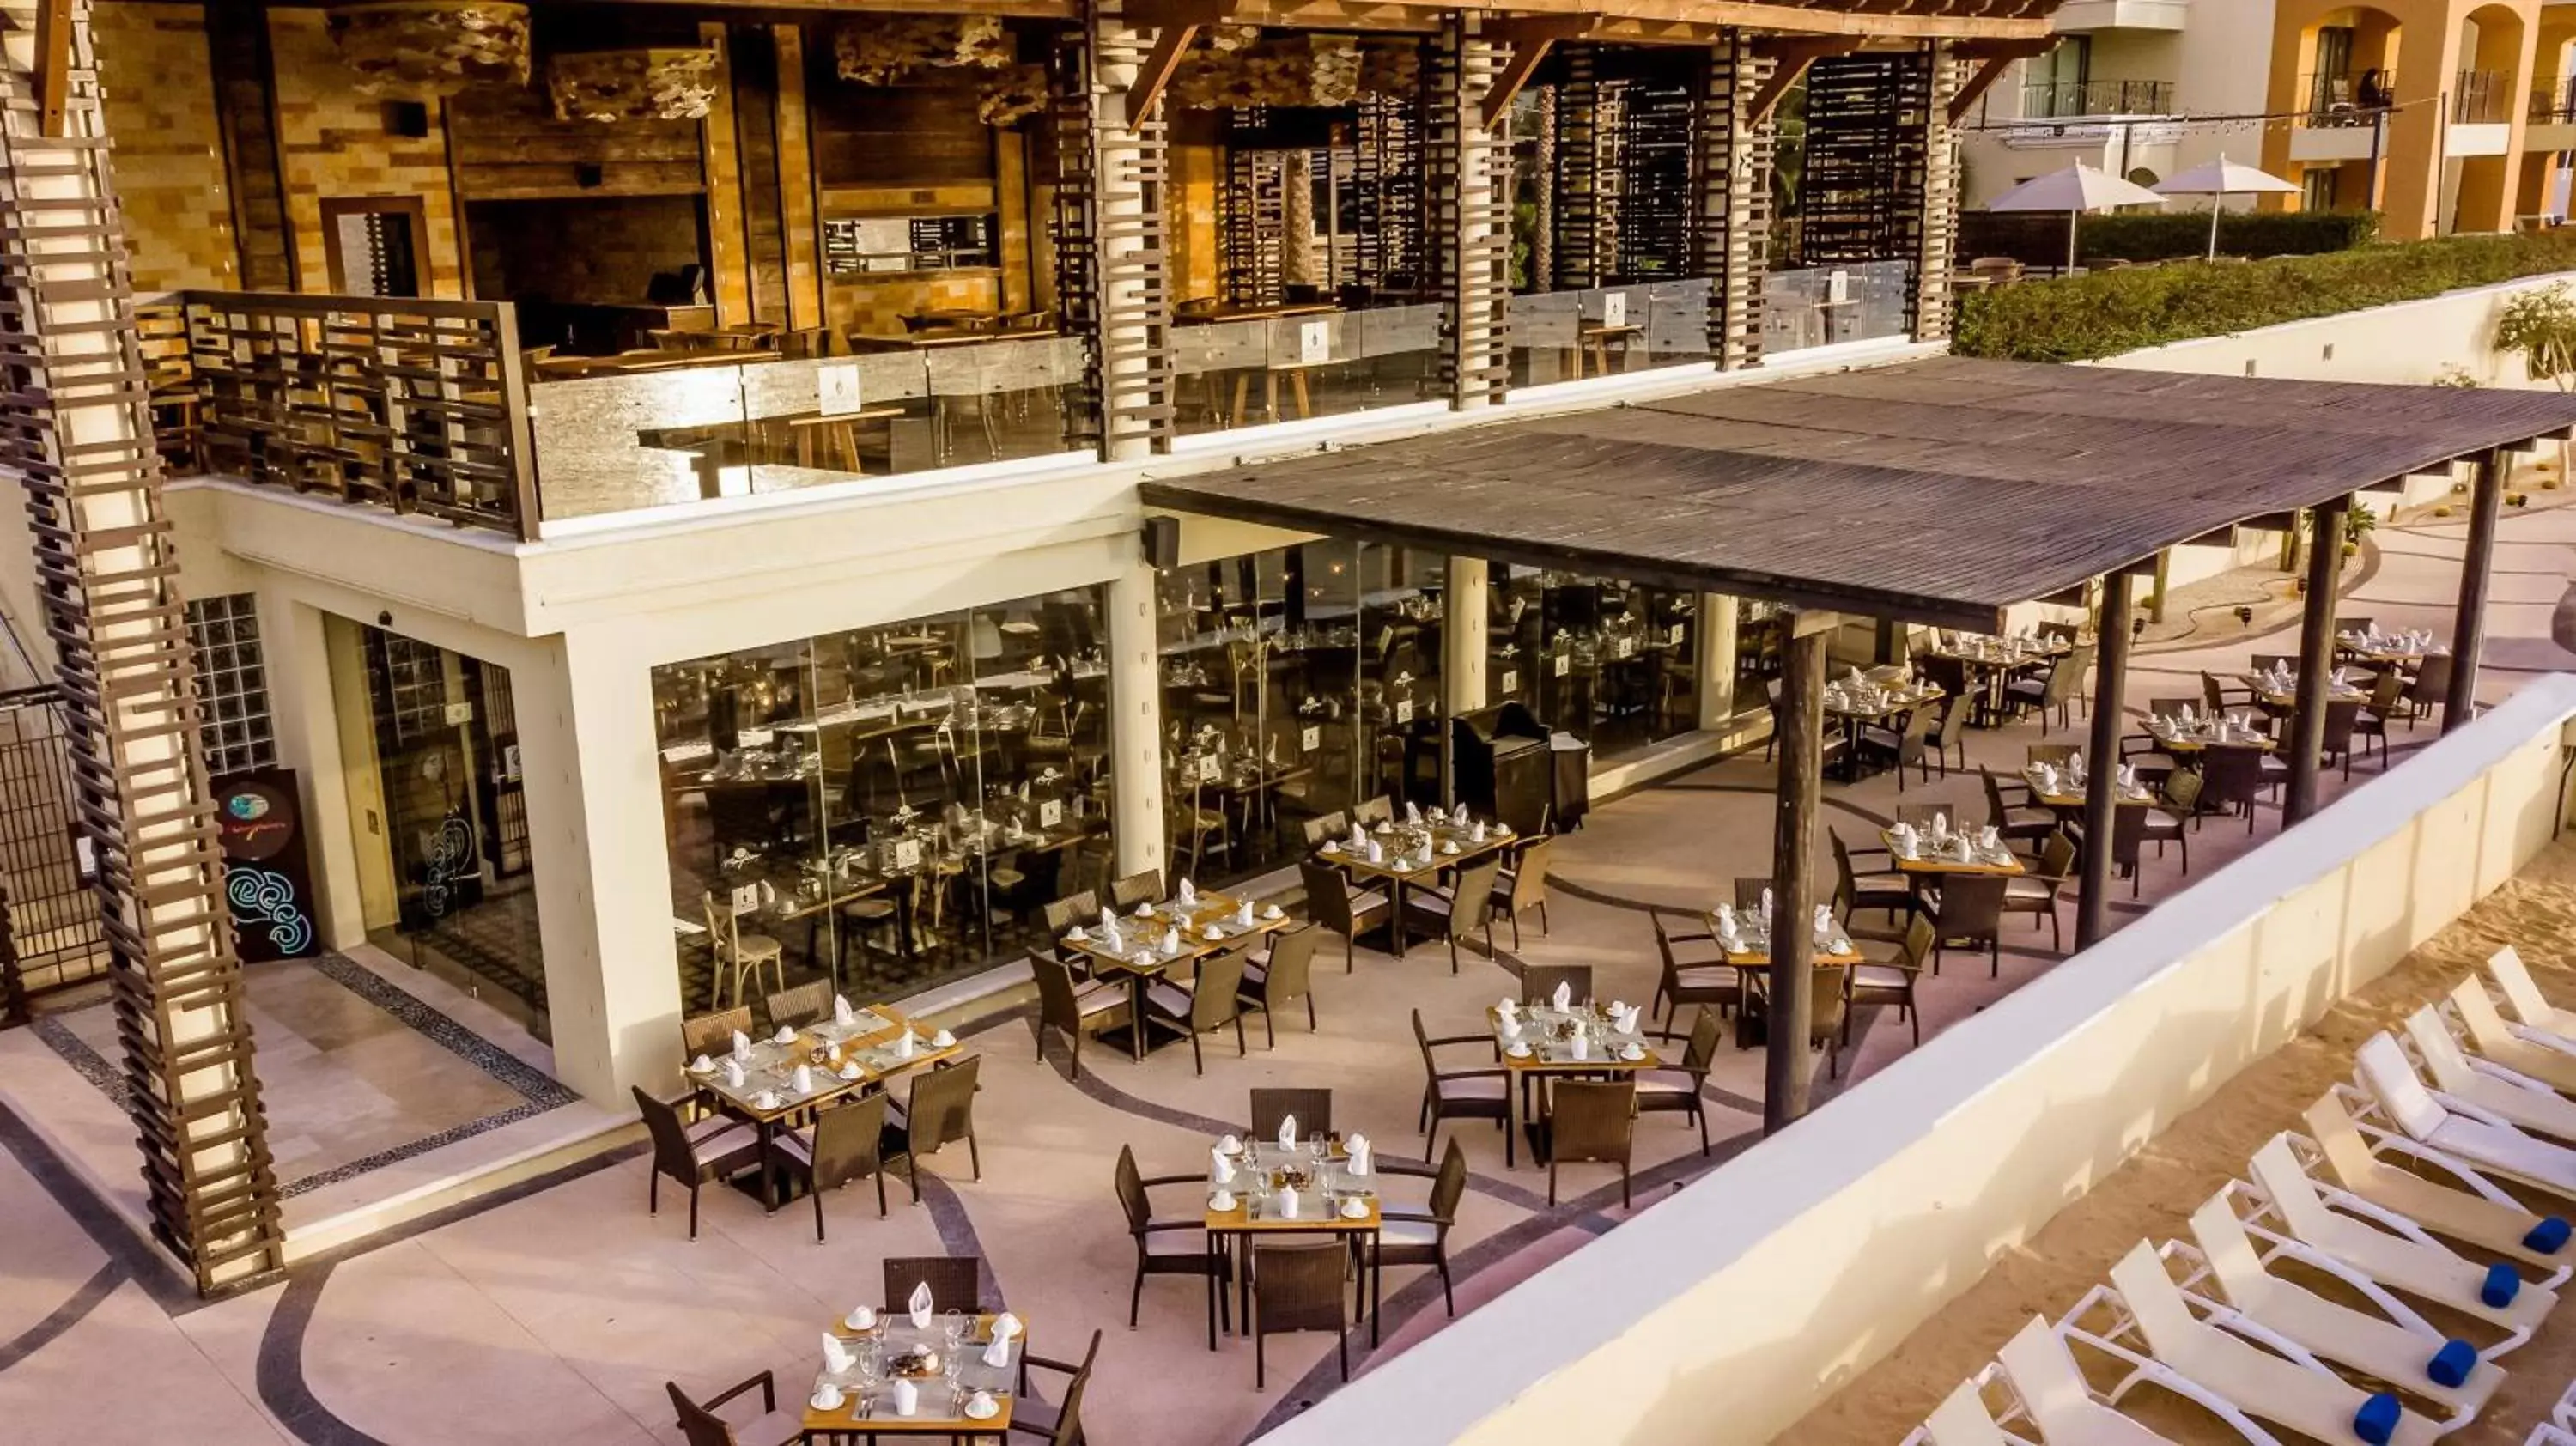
x: 555, y: 1313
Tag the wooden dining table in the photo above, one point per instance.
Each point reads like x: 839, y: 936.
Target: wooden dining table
x: 867, y: 1412
x: 1406, y: 865
x: 1260, y: 1168
x: 1545, y: 1048
x: 841, y: 1059
x: 1927, y: 865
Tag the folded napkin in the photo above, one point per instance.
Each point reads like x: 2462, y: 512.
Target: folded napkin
x: 1460, y: 815
x: 2046, y: 774
x: 837, y: 1359
x: 1766, y: 903
x: 1108, y: 919
x: 1189, y: 892
x: 1580, y: 1047
x: 903, y: 1044
x: 741, y: 1045
x: 1355, y: 1148
x: 920, y: 1305
x: 1284, y: 1204
x: 1564, y: 994
x: 802, y: 1079
x: 1507, y: 1007
x: 1171, y: 941
x: 842, y: 1013
x: 733, y: 1074
x: 1359, y: 835
x: 1005, y: 1326
x: 907, y: 1396
x: 1220, y: 1168
x: 1288, y: 1132
x: 1243, y: 914
x: 1991, y: 839
x: 1412, y: 811
x: 1823, y: 922
x: 1114, y: 937
x: 1229, y: 1145
x: 1376, y: 852
x: 1477, y: 833
x: 786, y: 1035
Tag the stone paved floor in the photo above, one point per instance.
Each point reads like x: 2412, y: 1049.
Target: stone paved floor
x: 556, y: 1312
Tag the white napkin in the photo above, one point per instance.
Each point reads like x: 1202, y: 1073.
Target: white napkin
x: 842, y: 1013
x: 1412, y: 812
x: 1288, y: 1132
x: 786, y: 1035
x: 2046, y: 773
x: 1284, y: 1204
x: 1564, y: 994
x: 1477, y: 834
x: 907, y: 1396
x: 1114, y: 937
x: 1189, y: 893
x: 1108, y: 919
x: 837, y: 1359
x: 1581, y: 1047
x: 802, y: 1079
x: 1766, y: 903
x: 903, y: 1044
x: 1991, y: 839
x: 1356, y: 1149
x: 1508, y: 1008
x: 1460, y: 815
x: 920, y: 1304
x: 1823, y: 922
x: 1005, y: 1326
x: 1376, y: 852
x: 733, y: 1074
x: 701, y: 1065
x: 1243, y: 915
x: 1171, y: 941
x: 1220, y: 1169
x: 741, y: 1045
x: 1359, y: 835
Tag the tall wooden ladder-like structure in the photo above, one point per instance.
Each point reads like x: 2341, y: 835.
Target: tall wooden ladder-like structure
x: 76, y: 432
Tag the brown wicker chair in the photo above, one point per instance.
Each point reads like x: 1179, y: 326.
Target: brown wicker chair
x: 1144, y: 888
x: 2387, y: 697
x: 1676, y: 1090
x: 710, y: 1149
x: 2015, y: 822
x: 1282, y: 978
x: 1464, y: 909
x: 1418, y: 1237
x: 1212, y: 1001
x: 1522, y: 889
x: 1591, y: 1121
x: 1970, y: 911
x: 1298, y: 1288
x: 956, y: 1281
x: 1312, y: 1109
x: 1461, y: 1094
x: 804, y: 1005
x: 1075, y: 1010
x: 2429, y: 689
x: 1692, y: 978
x: 1331, y: 902
x: 846, y: 1142
x: 2231, y: 777
x: 1891, y: 980
x: 1879, y: 890
x: 1207, y: 1260
x: 699, y: 1423
x: 939, y: 1111
x: 2036, y: 893
x: 713, y: 1033
x: 1539, y: 981
x: 1063, y: 1425
x: 1062, y: 915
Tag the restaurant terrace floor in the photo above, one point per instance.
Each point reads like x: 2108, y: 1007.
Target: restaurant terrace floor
x: 559, y: 1310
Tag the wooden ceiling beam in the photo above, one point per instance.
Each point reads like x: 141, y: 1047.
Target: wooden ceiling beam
x: 1171, y: 42
x: 1794, y: 55
x: 1950, y: 19
x: 1530, y: 40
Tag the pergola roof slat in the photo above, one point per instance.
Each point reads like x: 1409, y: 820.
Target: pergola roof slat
x: 1941, y: 491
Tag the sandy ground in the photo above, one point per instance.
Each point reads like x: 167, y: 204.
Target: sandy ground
x: 2152, y: 1196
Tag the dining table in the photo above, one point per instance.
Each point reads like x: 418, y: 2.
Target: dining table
x: 1158, y: 939
x: 1950, y: 856
x: 2278, y: 691
x: 1855, y: 706
x: 1271, y: 1188
x: 1749, y: 952
x: 962, y: 1394
x: 1542, y: 1042
x: 2180, y: 736
x: 1414, y: 854
x: 841, y: 1056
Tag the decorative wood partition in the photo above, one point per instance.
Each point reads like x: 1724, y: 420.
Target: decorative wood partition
x: 1735, y: 201
x: 76, y: 432
x: 1577, y: 181
x: 1468, y: 179
x: 1860, y: 195
x: 1127, y: 169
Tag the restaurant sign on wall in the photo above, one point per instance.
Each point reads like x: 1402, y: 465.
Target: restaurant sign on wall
x: 268, y: 883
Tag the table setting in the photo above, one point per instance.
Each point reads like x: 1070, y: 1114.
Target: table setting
x: 1312, y: 1181
x: 2068, y: 786
x: 1419, y: 843
x: 918, y: 1370
x: 1745, y: 934
x: 2279, y: 685
x: 2193, y: 727
x: 1566, y: 1032
x: 1939, y: 847
x: 791, y: 1069
x: 2406, y: 645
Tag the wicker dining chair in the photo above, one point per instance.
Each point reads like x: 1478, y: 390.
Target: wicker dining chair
x: 1890, y: 979
x: 939, y: 1111
x: 2429, y: 688
x: 956, y: 1281
x: 803, y: 1005
x: 701, y: 1426
x: 1331, y: 902
x: 1951, y: 736
x: 1311, y: 1108
x: 1970, y: 911
x: 1298, y: 1288
x: 2219, y: 697
x: 1676, y: 1089
x: 1908, y: 745
x: 846, y: 1142
x: 2036, y: 893
x: 2012, y: 822
x: 1700, y: 977
x: 1590, y: 1121
x: 2231, y: 777
x: 1063, y: 1425
x: 1380, y: 809
x: 1460, y: 1094
x: 715, y: 1148
x: 1522, y: 888
x: 2055, y: 755
x: 713, y: 1033
x: 1882, y: 889
x: 1539, y: 982
x: 1061, y: 916
x: 1462, y: 910
x: 1212, y: 1001
x: 1417, y: 1237
x: 1282, y: 978
x: 1315, y: 831
x: 2370, y: 725
x: 1144, y: 888
x: 1076, y: 1011
x: 1206, y: 1259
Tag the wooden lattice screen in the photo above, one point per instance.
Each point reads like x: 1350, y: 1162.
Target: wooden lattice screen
x: 1252, y: 220
x: 1652, y: 156
x: 1129, y: 168
x: 1735, y: 201
x: 1578, y: 211
x: 76, y: 432
x: 1386, y: 185
x: 1074, y: 224
x: 1860, y: 196
x: 1467, y: 171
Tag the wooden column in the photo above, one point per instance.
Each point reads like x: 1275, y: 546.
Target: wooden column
x: 1467, y: 198
x: 1735, y: 201
x: 2316, y: 657
x: 1129, y: 296
x: 1793, y: 849
x: 1939, y: 199
x: 798, y: 221
x: 720, y: 162
x: 2469, y: 624
x: 2102, y: 757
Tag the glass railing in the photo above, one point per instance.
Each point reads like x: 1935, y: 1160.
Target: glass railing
x: 1290, y: 365
x: 1564, y: 336
x: 1816, y: 306
x: 614, y: 443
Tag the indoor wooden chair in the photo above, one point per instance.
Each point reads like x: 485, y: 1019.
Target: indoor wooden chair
x: 939, y: 1111
x: 1205, y: 1258
x: 1298, y: 1288
x: 1591, y: 1121
x: 739, y: 956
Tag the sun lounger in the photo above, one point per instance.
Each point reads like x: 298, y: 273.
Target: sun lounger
x: 1961, y: 1420
x: 2514, y: 1099
x: 2540, y: 1021
x: 2291, y: 1214
x: 2495, y: 1041
x: 2058, y: 1400
x: 2478, y: 1139
x: 2299, y: 1393
x: 2396, y: 1346
x: 2477, y: 1214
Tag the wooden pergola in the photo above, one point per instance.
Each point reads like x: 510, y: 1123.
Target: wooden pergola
x: 1941, y: 492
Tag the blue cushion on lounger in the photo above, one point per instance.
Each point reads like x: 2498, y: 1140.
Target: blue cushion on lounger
x: 2503, y: 1284
x: 2377, y: 1419
x: 2548, y: 1235
x: 2451, y: 1364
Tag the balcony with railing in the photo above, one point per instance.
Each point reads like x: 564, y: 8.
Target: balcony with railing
x: 2482, y: 97
x: 2068, y: 100
x: 2337, y: 99
x: 2554, y: 103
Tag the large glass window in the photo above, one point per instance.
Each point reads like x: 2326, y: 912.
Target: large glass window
x: 1610, y: 662
x: 889, y: 805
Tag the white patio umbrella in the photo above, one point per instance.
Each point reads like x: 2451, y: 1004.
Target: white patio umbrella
x: 2077, y: 189
x: 2218, y: 180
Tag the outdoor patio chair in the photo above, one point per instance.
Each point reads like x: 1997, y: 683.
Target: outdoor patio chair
x: 1970, y: 910
x: 1278, y: 976
x: 2275, y: 662
x: 1675, y: 1089
x: 1062, y: 916
x: 1890, y: 979
x: 1522, y: 887
x: 1907, y: 745
x: 2473, y: 1211
x: 1749, y: 892
x: 956, y: 1281
x: 2522, y: 1103
x: 1380, y: 809
x: 715, y: 1148
x: 1298, y: 1288
x: 2055, y: 755
x: 1539, y: 982
x: 1063, y: 1424
x: 1950, y: 735
x: 2015, y: 822
x: 1144, y: 888
x: 846, y: 1142
x: 1211, y: 1001
x: 1881, y: 890
x: 2231, y: 778
x: 1077, y: 1011
x: 1417, y: 1237
x: 1828, y: 1002
x: 2055, y: 693
x: 804, y: 1005
x: 1460, y: 1094
x: 939, y: 1111
x: 2488, y: 1146
x: 712, y: 1034
x: 2145, y: 757
x: 1323, y: 827
x: 1921, y: 815
x: 2220, y: 697
x: 2053, y: 1393
x: 1331, y: 902
x: 1311, y: 1108
x: 2370, y: 725
x: 1695, y: 972
x: 2036, y: 893
x: 2539, y: 1020
x: 2429, y: 689
x: 1462, y: 910
x: 1591, y: 1121
x: 1192, y: 1250
x: 2343, y: 718
x: 701, y: 1426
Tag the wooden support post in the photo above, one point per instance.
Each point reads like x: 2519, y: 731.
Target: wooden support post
x: 2316, y: 657
x: 2102, y: 759
x: 53, y: 64
x: 1794, y: 55
x: 1793, y: 846
x: 1530, y: 41
x: 2469, y: 624
x: 1155, y: 72
x: 1977, y: 86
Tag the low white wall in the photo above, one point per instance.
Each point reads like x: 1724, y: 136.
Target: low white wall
x: 2411, y: 341
x: 1723, y: 1314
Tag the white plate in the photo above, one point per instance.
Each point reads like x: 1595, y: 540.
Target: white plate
x: 992, y: 1408
x: 818, y: 1403
x: 1355, y: 1209
x: 1518, y: 1051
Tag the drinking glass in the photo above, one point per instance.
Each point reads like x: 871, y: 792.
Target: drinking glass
x: 953, y: 1326
x: 1316, y: 1147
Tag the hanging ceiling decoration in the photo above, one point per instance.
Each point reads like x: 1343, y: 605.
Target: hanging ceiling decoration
x: 431, y: 49
x: 633, y: 85
x: 888, y: 49
x: 1286, y: 70
x: 1013, y: 96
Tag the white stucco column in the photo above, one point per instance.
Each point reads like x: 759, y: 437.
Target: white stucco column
x: 298, y: 663
x: 1462, y: 637
x: 602, y: 864
x: 1135, y: 723
x: 1716, y: 660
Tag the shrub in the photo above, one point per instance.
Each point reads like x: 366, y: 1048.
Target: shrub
x: 2105, y: 313
x: 2039, y: 238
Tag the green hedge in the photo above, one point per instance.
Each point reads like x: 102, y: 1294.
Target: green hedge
x: 2104, y: 313
x: 2039, y: 239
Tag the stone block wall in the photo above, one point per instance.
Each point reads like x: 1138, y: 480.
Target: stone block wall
x: 334, y: 143
x: 169, y: 147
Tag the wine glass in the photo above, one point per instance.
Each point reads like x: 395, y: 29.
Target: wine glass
x: 953, y: 1327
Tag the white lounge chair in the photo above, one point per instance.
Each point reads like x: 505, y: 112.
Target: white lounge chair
x: 2291, y: 1215
x: 2295, y: 1390
x: 2478, y: 1214
x: 2515, y: 1099
x: 2479, y: 1139
x: 2541, y: 1022
x: 2058, y: 1400
x: 2496, y: 1041
x: 1962, y: 1420
x: 2546, y: 1434
x: 2396, y: 1346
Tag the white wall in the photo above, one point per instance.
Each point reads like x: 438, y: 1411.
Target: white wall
x: 1723, y: 1314
x: 2411, y: 341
